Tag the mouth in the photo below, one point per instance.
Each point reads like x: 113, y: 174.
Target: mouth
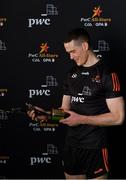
x: 75, y: 60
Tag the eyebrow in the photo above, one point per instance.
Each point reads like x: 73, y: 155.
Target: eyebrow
x: 71, y: 51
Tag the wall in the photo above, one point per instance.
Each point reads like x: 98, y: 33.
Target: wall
x: 33, y: 64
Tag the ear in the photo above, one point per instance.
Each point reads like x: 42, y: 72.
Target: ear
x: 85, y: 46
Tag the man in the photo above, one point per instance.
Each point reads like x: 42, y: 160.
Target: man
x: 93, y: 100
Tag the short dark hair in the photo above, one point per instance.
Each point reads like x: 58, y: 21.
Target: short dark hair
x: 79, y: 34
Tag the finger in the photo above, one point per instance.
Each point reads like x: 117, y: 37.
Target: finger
x: 30, y: 112
x: 32, y: 115
x: 43, y: 118
x: 64, y: 121
x: 36, y: 119
x: 38, y: 108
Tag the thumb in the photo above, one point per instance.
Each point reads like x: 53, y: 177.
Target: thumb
x: 67, y: 111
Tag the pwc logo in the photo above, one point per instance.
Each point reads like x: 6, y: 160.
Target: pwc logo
x: 46, y: 88
x: 46, y: 157
x: 45, y: 19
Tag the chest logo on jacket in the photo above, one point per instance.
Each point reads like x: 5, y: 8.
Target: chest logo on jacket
x: 77, y: 99
x: 96, y: 79
x: 74, y: 75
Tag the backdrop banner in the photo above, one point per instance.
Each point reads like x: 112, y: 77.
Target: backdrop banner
x: 33, y: 65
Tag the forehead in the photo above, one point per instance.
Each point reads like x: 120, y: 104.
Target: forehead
x: 70, y: 46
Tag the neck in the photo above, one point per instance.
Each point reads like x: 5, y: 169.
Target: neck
x: 91, y: 59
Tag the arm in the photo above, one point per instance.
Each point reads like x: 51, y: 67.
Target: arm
x: 114, y: 117
x: 65, y: 106
x: 66, y: 102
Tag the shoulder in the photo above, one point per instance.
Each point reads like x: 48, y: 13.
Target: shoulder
x: 105, y: 68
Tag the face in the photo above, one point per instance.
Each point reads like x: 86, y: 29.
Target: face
x: 78, y: 51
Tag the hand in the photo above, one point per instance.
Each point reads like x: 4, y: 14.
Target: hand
x: 73, y: 120
x: 34, y: 115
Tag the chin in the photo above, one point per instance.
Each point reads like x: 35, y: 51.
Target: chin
x: 79, y: 64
